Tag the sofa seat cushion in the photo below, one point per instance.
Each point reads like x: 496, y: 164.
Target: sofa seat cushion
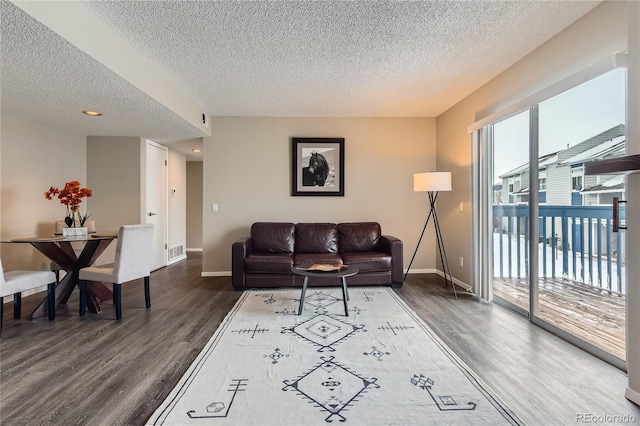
x: 268, y: 263
x: 359, y: 236
x: 316, y: 238
x: 308, y: 259
x: 368, y: 261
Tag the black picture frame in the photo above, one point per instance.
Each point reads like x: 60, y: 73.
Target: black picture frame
x: 317, y: 166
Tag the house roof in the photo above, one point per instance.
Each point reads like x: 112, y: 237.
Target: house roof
x: 153, y: 68
x: 615, y: 184
x: 543, y: 162
x: 610, y: 143
x: 610, y: 148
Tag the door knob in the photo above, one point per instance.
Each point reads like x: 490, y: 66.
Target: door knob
x: 152, y: 214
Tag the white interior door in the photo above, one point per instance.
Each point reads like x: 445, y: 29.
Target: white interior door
x: 156, y: 201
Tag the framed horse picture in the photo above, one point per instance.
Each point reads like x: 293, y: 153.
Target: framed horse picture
x: 317, y: 166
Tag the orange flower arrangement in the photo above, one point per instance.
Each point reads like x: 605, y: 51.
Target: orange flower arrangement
x: 71, y: 196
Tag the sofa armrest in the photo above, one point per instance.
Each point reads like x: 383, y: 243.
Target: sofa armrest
x: 393, y: 246
x: 239, y: 251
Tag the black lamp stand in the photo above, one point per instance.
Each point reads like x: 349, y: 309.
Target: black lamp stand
x: 443, y: 254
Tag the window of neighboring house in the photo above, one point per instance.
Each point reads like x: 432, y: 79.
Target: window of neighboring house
x: 577, y: 178
x: 542, y: 180
x: 576, y: 183
x: 517, y: 183
x: 542, y: 186
x: 577, y: 175
x: 511, y: 186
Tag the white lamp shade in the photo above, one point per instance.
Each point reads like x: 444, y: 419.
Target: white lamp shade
x: 432, y: 181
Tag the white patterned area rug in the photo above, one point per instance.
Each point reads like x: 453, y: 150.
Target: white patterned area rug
x: 381, y: 365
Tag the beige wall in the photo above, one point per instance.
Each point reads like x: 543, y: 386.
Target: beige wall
x: 113, y: 171
x: 596, y: 36
x: 247, y: 171
x: 194, y: 205
x: 34, y: 157
x: 177, y: 200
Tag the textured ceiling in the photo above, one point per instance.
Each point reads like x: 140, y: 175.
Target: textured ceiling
x: 46, y: 78
x: 284, y: 58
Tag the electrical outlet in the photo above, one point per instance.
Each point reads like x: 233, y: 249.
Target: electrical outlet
x: 461, y: 262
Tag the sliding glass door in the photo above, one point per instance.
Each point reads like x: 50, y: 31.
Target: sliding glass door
x: 553, y: 256
x: 510, y: 210
x: 584, y: 295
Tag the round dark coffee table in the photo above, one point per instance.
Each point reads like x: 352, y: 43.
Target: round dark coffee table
x: 342, y: 274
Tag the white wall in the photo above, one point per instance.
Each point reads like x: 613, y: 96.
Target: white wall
x: 247, y: 171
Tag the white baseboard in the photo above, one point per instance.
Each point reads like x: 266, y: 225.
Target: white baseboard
x: 194, y: 249
x: 421, y: 271
x: 439, y: 272
x: 458, y: 282
x: 177, y: 259
x: 633, y: 396
x: 216, y: 274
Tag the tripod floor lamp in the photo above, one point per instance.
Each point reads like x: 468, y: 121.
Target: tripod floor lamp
x: 433, y: 183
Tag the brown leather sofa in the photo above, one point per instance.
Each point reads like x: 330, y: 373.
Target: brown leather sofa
x: 265, y: 258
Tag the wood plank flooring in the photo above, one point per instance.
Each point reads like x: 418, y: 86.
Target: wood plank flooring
x: 591, y: 313
x: 98, y: 371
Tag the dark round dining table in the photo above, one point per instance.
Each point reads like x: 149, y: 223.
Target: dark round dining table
x: 60, y: 250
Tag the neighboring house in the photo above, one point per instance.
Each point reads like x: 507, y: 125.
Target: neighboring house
x: 561, y: 179
x: 561, y: 182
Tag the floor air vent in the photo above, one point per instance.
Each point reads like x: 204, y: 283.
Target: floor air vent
x: 176, y: 252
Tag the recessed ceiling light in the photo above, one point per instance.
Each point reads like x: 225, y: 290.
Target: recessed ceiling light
x: 196, y: 150
x: 92, y: 113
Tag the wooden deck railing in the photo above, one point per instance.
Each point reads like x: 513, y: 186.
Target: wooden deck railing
x: 591, y: 252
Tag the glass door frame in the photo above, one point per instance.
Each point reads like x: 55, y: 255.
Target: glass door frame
x: 482, y: 176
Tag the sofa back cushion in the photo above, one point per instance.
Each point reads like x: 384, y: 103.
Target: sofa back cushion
x: 273, y: 237
x: 359, y: 236
x: 316, y: 238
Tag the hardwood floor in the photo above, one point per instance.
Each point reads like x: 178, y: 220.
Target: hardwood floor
x: 98, y: 371
x: 595, y: 315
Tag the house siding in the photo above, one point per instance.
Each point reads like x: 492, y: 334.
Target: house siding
x: 559, y: 178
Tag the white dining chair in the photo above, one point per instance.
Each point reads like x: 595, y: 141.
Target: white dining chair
x: 15, y: 282
x: 132, y: 261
